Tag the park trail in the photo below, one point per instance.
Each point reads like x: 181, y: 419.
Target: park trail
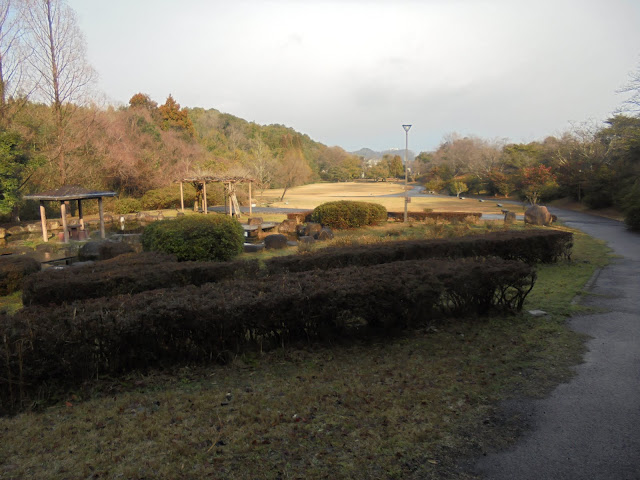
x: 589, y: 428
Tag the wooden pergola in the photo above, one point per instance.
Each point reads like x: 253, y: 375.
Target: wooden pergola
x: 230, y: 183
x: 65, y: 194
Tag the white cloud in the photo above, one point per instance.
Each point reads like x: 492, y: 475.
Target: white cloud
x: 351, y: 72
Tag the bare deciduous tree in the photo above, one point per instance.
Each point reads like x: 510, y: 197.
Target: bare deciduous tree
x: 261, y: 164
x: 12, y: 59
x: 633, y: 88
x: 294, y: 170
x: 61, y: 73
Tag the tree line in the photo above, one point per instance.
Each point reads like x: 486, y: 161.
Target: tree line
x: 597, y: 165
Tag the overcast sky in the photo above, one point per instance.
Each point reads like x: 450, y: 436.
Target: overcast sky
x: 351, y: 72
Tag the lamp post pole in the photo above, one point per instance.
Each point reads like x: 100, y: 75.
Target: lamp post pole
x: 406, y: 152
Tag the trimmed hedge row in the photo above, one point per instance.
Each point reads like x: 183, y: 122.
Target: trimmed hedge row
x: 136, y: 273
x: 438, y: 216
x: 54, y: 347
x: 14, y: 269
x: 530, y: 246
x: 128, y: 274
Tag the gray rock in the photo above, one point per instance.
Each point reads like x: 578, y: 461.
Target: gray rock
x: 103, y: 250
x: 53, y: 225
x: 509, y: 218
x: 288, y: 226
x: 276, y: 241
x: 325, y: 234
x: 253, y: 247
x: 254, y: 221
x: 313, y: 229
x: 16, y: 230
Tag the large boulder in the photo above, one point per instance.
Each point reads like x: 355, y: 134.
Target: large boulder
x: 16, y: 230
x: 287, y: 226
x: 103, y: 250
x: 509, y: 218
x: 276, y: 241
x: 537, y: 215
x: 13, y: 269
x: 325, y: 234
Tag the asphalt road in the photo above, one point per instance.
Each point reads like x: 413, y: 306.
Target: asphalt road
x: 589, y: 428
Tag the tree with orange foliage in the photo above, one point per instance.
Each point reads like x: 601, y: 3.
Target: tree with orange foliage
x: 142, y: 100
x: 534, y: 180
x: 174, y: 117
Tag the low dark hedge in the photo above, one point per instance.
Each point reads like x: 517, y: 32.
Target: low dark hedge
x: 438, y: 216
x: 60, y: 346
x: 13, y: 270
x: 128, y: 274
x: 214, y: 237
x: 136, y: 273
x: 346, y: 214
x: 530, y: 246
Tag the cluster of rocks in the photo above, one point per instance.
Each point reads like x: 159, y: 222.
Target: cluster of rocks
x: 307, y: 233
x: 290, y: 233
x: 55, y: 225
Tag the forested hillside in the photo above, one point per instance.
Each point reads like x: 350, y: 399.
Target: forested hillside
x: 143, y: 145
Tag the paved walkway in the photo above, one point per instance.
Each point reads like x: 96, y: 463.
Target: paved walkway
x: 589, y: 428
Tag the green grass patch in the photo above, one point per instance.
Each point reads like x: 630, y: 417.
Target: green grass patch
x: 11, y: 303
x: 409, y: 406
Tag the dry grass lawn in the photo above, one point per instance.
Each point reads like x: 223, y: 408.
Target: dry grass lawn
x: 307, y: 197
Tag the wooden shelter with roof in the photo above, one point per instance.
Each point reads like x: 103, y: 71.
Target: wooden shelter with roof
x: 70, y: 193
x: 230, y: 183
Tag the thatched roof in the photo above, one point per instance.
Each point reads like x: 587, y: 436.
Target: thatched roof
x: 218, y: 178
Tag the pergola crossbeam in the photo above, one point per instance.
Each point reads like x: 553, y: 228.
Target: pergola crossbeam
x: 229, y: 183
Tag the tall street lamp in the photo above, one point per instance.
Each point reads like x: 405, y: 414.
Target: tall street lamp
x: 406, y: 152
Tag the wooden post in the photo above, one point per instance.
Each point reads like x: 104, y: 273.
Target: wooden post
x: 230, y: 201
x: 250, y: 201
x: 63, y: 215
x: 181, y: 198
x: 80, y: 217
x: 43, y: 220
x: 204, y: 197
x: 101, y: 212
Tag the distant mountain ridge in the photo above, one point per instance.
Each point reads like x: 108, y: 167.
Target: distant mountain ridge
x: 369, y: 154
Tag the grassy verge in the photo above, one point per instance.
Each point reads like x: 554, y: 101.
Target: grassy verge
x: 403, y: 407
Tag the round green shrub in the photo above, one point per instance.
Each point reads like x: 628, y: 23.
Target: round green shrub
x: 169, y: 197
x: 124, y: 205
x: 347, y: 214
x: 210, y: 237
